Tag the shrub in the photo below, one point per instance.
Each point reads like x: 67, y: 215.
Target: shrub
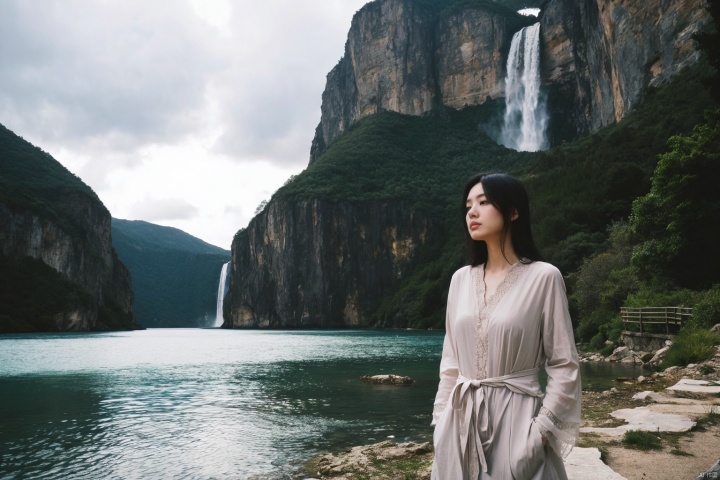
x: 691, y: 345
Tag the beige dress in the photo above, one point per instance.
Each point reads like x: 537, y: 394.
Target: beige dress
x: 490, y: 413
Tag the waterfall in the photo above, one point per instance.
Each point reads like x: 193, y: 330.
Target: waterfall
x: 525, y: 112
x: 222, y: 290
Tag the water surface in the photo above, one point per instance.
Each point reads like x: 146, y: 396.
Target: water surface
x: 203, y: 404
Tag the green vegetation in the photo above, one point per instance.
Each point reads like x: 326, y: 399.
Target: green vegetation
x: 175, y: 275
x: 33, y: 294
x: 641, y: 440
x: 31, y: 180
x: 669, y: 223
x: 691, y: 345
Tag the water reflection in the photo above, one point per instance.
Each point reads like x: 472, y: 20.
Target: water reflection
x: 201, y: 404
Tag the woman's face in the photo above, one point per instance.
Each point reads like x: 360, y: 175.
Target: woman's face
x: 484, y: 221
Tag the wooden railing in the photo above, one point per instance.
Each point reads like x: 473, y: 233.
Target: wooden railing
x: 648, y: 316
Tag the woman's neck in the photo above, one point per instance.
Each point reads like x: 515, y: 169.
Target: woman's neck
x: 498, y: 260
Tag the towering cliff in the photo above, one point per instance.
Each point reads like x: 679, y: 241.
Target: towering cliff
x: 49, y: 215
x: 320, y: 264
x: 598, y: 57
x: 368, y: 233
x: 405, y: 57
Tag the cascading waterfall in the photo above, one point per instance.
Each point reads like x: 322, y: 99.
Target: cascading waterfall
x: 222, y: 290
x: 525, y: 113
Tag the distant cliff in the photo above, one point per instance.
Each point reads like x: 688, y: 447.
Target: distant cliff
x: 320, y: 263
x: 49, y: 215
x: 598, y: 56
x: 175, y: 275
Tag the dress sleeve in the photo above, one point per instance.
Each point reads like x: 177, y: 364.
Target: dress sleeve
x: 448, y: 362
x: 559, y: 416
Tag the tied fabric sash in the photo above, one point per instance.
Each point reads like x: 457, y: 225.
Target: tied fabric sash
x: 468, y: 410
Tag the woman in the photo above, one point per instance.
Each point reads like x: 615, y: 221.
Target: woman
x: 507, y: 316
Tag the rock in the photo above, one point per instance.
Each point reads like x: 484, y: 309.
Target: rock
x: 363, y: 461
x: 645, y: 419
x: 641, y: 379
x: 658, y: 356
x: 714, y: 472
x: 660, y: 398
x: 716, y: 328
x: 696, y: 386
x: 585, y: 463
x: 620, y: 353
x: 672, y: 369
x: 691, y: 365
x: 646, y: 357
x: 387, y: 379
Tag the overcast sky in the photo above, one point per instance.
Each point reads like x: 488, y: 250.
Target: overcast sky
x: 186, y: 113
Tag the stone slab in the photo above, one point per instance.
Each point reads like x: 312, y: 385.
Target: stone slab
x: 695, y: 386
x: 585, y: 464
x: 658, y: 397
x: 645, y: 419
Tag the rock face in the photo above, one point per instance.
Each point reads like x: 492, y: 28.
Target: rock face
x: 91, y: 264
x: 319, y: 264
x: 82, y: 252
x: 597, y: 57
x: 471, y: 47
x: 402, y: 57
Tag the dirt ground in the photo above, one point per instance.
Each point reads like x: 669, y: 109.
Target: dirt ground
x: 694, y: 452
x: 703, y: 447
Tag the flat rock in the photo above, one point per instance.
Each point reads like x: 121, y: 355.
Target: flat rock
x: 645, y: 419
x: 695, y: 386
x: 387, y: 379
x: 585, y: 464
x: 661, y: 398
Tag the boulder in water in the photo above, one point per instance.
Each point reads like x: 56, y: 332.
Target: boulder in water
x: 387, y: 379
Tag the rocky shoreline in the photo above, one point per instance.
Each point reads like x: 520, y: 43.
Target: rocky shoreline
x: 410, y: 460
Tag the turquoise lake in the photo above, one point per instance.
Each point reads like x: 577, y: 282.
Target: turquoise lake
x: 210, y: 403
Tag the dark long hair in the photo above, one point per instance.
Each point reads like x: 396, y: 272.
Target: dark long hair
x: 508, y: 195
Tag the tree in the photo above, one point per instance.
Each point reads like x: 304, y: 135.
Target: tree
x: 675, y: 224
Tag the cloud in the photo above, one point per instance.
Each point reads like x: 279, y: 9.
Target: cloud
x: 163, y: 209
x: 104, y: 75
x: 188, y: 113
x: 272, y: 93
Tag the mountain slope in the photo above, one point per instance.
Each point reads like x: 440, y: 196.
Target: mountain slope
x: 369, y: 234
x: 58, y: 270
x: 175, y: 275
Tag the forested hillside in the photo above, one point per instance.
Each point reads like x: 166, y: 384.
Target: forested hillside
x: 175, y: 275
